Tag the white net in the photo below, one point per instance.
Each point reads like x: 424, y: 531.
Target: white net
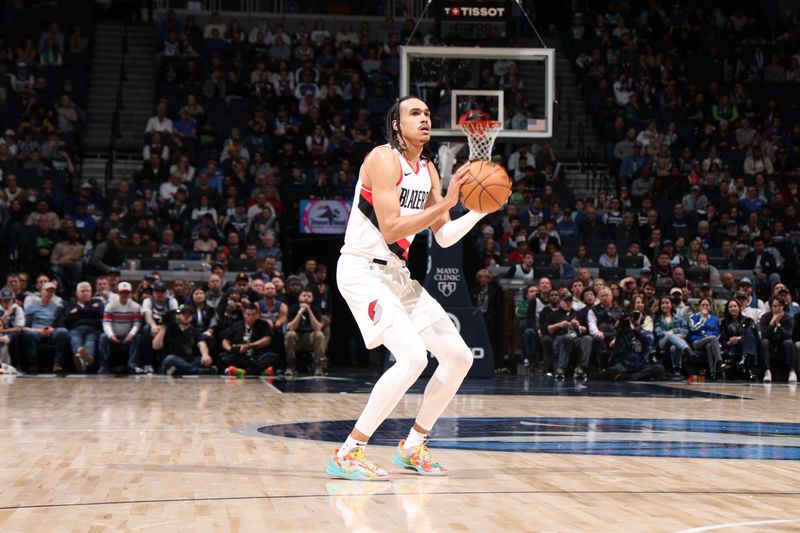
x: 480, y: 136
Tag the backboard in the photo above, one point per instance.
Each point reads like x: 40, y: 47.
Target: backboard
x: 513, y: 85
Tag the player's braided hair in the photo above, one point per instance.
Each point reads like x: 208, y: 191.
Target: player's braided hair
x: 395, y: 136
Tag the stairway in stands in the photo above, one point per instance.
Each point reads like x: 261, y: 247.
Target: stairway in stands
x: 138, y: 94
x: 582, y: 178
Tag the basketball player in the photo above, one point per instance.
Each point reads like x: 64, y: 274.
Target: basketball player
x: 397, y: 195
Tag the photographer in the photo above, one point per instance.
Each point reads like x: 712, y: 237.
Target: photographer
x: 565, y: 329
x: 632, y: 347
x: 187, y: 352
x: 304, y: 332
x: 230, y: 310
x: 245, y: 344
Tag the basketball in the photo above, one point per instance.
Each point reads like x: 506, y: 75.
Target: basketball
x: 488, y: 189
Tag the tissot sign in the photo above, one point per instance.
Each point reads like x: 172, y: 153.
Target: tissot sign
x: 474, y: 11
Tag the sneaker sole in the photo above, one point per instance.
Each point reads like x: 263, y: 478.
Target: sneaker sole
x: 333, y: 471
x: 402, y: 464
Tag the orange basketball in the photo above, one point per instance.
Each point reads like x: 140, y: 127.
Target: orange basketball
x: 488, y: 189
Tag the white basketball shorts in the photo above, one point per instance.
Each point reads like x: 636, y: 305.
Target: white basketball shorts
x: 374, y: 292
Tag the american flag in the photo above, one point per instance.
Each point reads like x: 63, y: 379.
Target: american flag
x: 537, y: 124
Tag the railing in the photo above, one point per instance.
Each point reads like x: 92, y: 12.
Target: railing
x: 116, y: 131
x: 395, y: 8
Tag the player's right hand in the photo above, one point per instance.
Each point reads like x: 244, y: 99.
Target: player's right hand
x: 454, y: 187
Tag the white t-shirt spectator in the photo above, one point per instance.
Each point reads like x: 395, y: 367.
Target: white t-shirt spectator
x: 167, y: 191
x: 161, y: 125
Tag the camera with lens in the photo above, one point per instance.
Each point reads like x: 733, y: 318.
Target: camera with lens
x: 629, y: 320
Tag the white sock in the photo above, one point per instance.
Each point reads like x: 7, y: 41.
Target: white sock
x: 414, y: 439
x: 349, y: 445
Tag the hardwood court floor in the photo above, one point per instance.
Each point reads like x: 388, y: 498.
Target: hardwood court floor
x: 155, y: 454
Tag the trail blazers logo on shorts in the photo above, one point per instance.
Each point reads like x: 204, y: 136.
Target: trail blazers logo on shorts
x: 374, y: 311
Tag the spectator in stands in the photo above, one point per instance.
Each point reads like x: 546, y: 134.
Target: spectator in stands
x: 155, y: 310
x: 582, y: 258
x: 66, y: 260
x: 83, y: 319
x: 304, y: 332
x: 526, y: 314
x: 565, y: 329
x: 159, y: 122
x: 566, y: 271
x: 704, y: 334
x: 763, y: 265
x: 671, y: 332
x: 524, y: 270
x: 245, y: 345
x: 186, y: 351
x: 121, y: 323
x: 42, y: 327
x: 12, y: 322
x: 776, y: 327
x: 542, y: 241
x: 602, y: 319
x: 109, y: 254
x: 739, y: 336
x: 610, y: 259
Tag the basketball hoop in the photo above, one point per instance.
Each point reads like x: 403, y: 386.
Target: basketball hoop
x: 481, y: 133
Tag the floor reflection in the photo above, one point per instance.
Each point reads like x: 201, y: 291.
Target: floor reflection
x: 357, y: 502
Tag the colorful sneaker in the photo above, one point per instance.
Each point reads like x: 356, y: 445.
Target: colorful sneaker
x: 356, y: 467
x: 269, y: 371
x: 234, y: 371
x: 418, y: 459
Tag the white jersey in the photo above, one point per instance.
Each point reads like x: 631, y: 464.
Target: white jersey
x: 363, y: 236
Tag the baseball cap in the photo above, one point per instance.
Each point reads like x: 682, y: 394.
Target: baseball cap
x: 781, y: 290
x: 11, y: 132
x: 695, y: 187
x: 675, y: 290
x: 242, y: 277
x: 6, y: 294
x: 520, y: 238
x: 124, y: 287
x: 149, y: 277
x: 666, y: 242
x: 740, y: 295
x: 49, y: 285
x: 86, y: 185
x: 293, y: 278
x: 159, y: 286
x: 488, y: 230
x: 566, y: 296
x: 745, y: 281
x: 185, y: 309
x: 645, y: 270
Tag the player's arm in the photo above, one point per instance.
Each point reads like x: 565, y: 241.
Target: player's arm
x: 448, y: 232
x: 380, y: 171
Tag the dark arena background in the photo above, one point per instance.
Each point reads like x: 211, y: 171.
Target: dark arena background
x: 174, y: 170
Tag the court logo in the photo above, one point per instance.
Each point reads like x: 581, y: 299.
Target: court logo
x: 698, y: 439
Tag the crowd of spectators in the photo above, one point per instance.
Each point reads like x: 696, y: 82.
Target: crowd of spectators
x: 259, y: 324
x: 701, y: 141
x: 703, y: 182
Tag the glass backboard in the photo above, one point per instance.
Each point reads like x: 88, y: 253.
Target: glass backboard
x: 513, y: 85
